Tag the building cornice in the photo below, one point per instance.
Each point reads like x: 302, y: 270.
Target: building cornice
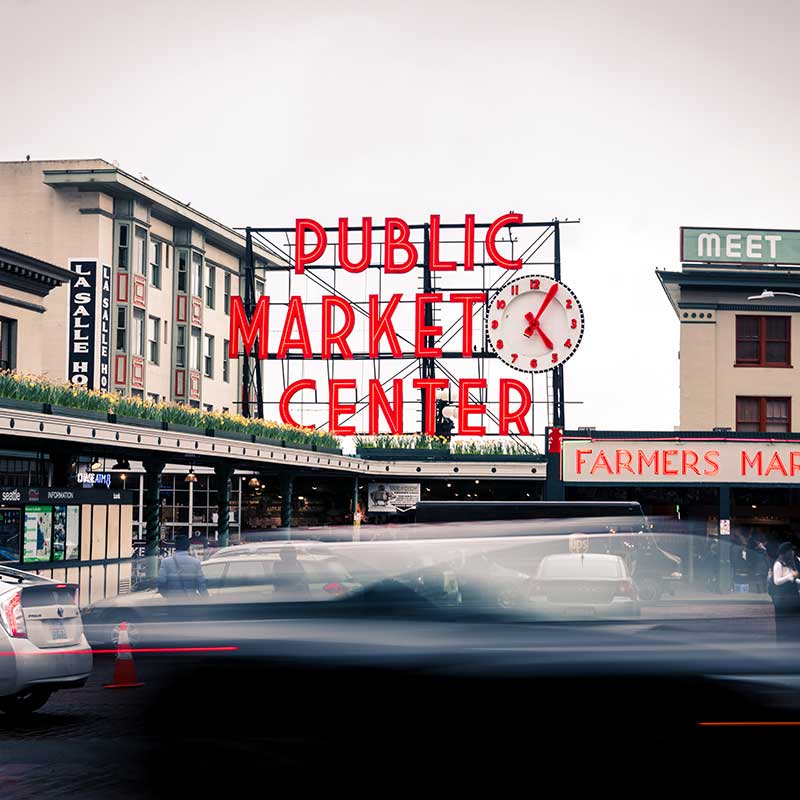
x: 117, y: 183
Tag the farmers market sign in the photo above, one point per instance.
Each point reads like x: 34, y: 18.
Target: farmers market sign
x: 688, y: 461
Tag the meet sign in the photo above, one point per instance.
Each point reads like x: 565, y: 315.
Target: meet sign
x: 680, y: 461
x: 740, y: 246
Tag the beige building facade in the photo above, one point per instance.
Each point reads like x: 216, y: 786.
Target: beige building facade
x: 163, y: 332
x: 738, y: 357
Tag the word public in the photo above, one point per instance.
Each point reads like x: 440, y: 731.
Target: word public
x: 400, y: 253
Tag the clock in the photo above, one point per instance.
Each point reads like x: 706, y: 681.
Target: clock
x: 534, y: 323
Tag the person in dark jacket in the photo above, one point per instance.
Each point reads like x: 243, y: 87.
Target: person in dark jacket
x: 181, y: 575
x: 785, y: 595
x: 757, y: 563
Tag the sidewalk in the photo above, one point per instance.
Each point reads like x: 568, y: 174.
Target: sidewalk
x: 713, y: 598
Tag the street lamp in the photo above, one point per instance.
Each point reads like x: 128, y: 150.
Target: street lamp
x: 767, y: 294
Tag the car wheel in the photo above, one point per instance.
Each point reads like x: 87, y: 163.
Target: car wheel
x: 24, y: 703
x: 649, y: 590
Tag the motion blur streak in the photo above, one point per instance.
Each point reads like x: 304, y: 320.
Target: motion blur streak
x: 127, y: 650
x: 749, y: 724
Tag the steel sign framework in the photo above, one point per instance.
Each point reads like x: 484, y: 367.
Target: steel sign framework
x: 537, y: 245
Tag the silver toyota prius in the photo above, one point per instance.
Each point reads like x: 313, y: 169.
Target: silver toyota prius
x: 42, y: 644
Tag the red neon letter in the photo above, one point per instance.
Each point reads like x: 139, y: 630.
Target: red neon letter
x: 467, y: 299
x: 381, y: 324
x: 465, y: 407
x: 517, y: 417
x: 755, y: 462
x: 366, y: 245
x: 580, y: 460
x: 336, y: 408
x: 295, y: 315
x: 421, y: 349
x: 428, y: 386
x: 469, y: 242
x: 378, y: 399
x: 491, y: 245
x: 338, y: 338
x: 393, y: 224
x: 286, y: 398
x: 436, y: 239
x: 301, y: 258
x: 710, y: 457
x: 256, y: 327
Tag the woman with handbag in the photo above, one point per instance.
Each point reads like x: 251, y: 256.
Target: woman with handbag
x: 785, y: 596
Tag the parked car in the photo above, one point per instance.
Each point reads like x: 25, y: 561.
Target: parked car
x: 584, y: 585
x: 42, y: 639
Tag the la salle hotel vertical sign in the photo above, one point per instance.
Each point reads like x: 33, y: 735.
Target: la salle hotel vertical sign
x: 86, y: 320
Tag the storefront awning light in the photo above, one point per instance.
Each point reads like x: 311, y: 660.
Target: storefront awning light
x: 190, y: 476
x: 122, y: 464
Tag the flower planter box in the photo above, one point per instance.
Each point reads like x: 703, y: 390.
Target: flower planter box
x: 239, y: 436
x: 268, y: 442
x: 80, y: 413
x: 533, y: 458
x: 298, y: 445
x: 21, y: 405
x: 402, y: 454
x: 139, y: 422
x: 174, y: 427
x: 334, y: 451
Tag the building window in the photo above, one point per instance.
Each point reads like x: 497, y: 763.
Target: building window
x: 226, y: 363
x: 154, y: 328
x: 197, y: 274
x: 180, y: 347
x: 141, y: 251
x: 259, y: 289
x: 763, y: 414
x: 183, y: 257
x: 155, y: 264
x: 227, y: 297
x: 138, y: 332
x: 196, y: 354
x: 763, y: 341
x: 211, y: 285
x: 122, y: 325
x: 208, y: 358
x: 122, y: 247
x: 8, y: 344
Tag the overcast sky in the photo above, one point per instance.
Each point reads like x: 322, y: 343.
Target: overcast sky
x: 637, y: 117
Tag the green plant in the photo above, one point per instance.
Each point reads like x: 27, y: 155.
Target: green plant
x: 43, y: 390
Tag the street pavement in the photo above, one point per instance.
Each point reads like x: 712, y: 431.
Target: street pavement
x: 100, y: 743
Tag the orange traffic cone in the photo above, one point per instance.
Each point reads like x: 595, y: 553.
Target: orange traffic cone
x: 124, y: 672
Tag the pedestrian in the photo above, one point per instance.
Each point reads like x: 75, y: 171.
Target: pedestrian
x: 757, y: 562
x: 181, y: 575
x: 784, y: 592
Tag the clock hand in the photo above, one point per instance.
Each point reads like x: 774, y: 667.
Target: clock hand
x: 551, y: 293
x: 548, y: 344
x: 535, y: 326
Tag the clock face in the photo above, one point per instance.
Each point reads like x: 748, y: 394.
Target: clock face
x: 534, y: 323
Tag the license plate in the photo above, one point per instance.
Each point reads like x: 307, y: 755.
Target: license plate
x: 57, y: 630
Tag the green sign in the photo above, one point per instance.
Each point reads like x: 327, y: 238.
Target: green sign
x: 740, y: 246
x: 37, y: 533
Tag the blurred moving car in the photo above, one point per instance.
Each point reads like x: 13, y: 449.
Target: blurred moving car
x: 240, y: 586
x: 584, y: 585
x: 42, y: 640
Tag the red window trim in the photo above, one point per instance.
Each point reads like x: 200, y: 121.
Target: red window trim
x: 762, y: 341
x: 762, y: 411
